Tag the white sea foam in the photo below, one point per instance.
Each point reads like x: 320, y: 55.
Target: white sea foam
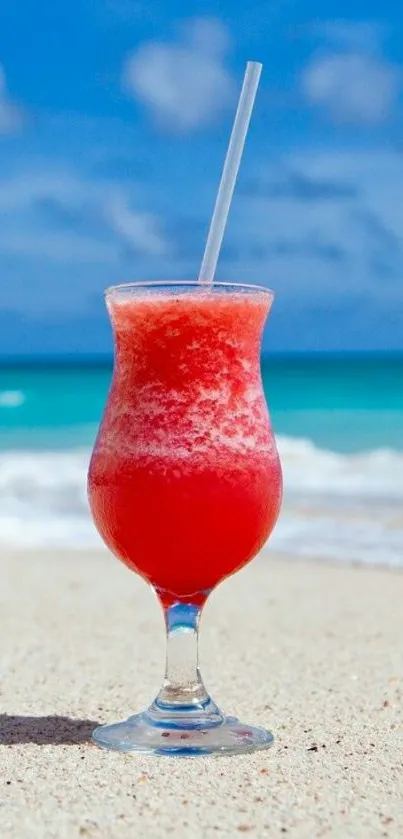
x: 368, y: 475
x: 11, y: 398
x: 43, y: 500
x: 337, y: 506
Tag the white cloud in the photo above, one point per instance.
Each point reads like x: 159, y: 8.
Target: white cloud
x: 208, y: 35
x: 352, y: 87
x: 58, y: 247
x: 322, y: 249
x: 77, y: 203
x: 141, y: 230
x: 185, y: 84
x: 22, y: 191
x: 10, y: 115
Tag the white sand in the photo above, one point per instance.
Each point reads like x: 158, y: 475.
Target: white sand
x: 313, y: 652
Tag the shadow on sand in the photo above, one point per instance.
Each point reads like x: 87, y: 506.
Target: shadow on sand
x: 52, y: 730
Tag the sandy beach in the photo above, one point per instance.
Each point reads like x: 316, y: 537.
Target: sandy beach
x: 312, y: 651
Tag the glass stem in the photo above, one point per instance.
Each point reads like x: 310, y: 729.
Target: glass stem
x: 183, y: 686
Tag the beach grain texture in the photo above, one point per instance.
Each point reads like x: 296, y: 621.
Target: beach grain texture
x: 312, y: 651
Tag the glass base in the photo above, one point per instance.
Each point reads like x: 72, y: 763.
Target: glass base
x: 178, y: 737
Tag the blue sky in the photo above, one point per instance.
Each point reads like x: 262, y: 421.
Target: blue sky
x: 114, y: 120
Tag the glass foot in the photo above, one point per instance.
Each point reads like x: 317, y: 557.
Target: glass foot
x: 176, y: 738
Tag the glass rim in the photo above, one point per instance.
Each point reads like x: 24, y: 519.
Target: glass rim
x: 155, y: 284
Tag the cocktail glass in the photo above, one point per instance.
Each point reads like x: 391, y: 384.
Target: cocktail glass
x: 185, y: 483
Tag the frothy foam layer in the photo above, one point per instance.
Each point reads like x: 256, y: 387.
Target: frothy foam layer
x: 337, y: 506
x: 187, y: 383
x: 178, y: 425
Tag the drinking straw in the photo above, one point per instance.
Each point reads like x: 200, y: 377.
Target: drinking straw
x: 230, y: 172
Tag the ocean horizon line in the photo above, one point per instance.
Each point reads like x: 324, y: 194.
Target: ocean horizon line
x: 106, y: 360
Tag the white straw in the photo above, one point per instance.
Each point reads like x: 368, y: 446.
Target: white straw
x: 230, y: 171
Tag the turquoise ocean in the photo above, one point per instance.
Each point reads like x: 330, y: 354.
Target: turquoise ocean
x: 339, y: 427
